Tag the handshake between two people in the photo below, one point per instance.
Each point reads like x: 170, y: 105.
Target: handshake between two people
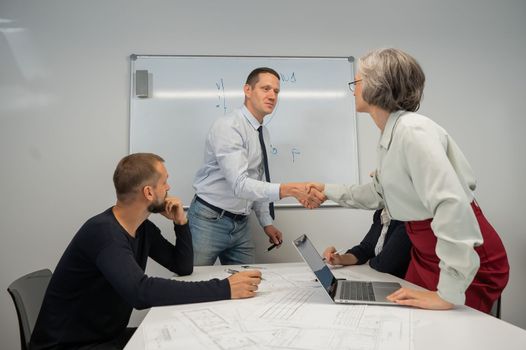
x: 309, y: 194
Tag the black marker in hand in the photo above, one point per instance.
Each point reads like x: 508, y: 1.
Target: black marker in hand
x: 273, y: 246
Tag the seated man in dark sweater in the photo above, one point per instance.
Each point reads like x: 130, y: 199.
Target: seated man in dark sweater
x: 100, y: 277
x: 386, y: 246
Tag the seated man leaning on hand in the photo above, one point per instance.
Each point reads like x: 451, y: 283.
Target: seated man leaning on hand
x: 100, y: 277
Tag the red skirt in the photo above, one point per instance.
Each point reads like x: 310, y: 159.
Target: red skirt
x: 491, y: 277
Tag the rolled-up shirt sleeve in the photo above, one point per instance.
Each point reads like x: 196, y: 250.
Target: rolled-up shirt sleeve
x: 355, y: 196
x: 263, y: 213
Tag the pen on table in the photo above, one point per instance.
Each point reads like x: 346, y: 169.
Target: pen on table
x: 273, y: 246
x: 337, y: 252
x: 232, y: 271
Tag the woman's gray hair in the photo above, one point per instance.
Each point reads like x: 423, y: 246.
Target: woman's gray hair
x: 392, y: 80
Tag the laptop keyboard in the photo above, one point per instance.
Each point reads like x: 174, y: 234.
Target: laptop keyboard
x: 357, y: 291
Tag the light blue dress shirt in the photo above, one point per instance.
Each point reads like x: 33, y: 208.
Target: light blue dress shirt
x: 231, y: 177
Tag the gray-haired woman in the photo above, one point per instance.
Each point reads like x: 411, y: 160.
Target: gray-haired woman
x: 424, y: 179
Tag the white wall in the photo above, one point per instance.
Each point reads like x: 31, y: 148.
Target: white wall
x: 64, y: 86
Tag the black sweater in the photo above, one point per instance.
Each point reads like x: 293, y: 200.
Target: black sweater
x: 396, y: 252
x: 100, y: 279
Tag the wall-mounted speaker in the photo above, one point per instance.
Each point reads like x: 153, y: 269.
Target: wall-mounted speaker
x: 141, y: 83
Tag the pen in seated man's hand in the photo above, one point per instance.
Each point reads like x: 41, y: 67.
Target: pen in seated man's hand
x: 244, y: 284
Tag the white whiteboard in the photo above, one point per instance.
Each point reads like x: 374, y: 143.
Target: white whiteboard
x: 312, y: 129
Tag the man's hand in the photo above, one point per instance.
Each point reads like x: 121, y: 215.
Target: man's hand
x: 317, y: 189
x: 419, y: 298
x: 174, y: 210
x: 301, y: 192
x: 244, y: 284
x: 274, y: 235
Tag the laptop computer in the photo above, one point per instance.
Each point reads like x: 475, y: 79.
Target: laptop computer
x: 340, y: 290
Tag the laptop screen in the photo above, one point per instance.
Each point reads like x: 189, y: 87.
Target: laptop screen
x: 314, y: 260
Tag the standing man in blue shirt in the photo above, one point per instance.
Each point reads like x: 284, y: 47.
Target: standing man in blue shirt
x: 235, y: 179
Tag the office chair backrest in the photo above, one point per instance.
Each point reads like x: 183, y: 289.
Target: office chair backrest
x: 28, y: 293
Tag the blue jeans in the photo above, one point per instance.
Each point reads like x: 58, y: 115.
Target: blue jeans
x: 215, y: 236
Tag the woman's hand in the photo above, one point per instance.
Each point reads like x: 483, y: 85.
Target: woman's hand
x: 423, y: 299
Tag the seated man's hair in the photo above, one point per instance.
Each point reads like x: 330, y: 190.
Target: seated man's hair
x: 133, y: 172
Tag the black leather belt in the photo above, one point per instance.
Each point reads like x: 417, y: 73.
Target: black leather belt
x: 235, y: 217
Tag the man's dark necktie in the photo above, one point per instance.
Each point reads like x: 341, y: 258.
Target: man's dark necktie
x: 265, y: 164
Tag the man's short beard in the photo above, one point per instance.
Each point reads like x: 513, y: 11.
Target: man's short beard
x: 156, y: 208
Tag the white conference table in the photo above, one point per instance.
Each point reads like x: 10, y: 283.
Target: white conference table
x: 291, y: 311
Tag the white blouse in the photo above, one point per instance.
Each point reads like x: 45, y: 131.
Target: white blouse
x: 423, y: 174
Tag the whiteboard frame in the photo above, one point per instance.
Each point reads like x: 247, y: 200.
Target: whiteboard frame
x: 328, y: 203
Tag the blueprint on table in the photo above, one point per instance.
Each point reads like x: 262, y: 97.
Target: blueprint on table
x: 291, y: 311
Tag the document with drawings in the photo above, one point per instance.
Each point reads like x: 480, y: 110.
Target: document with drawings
x: 290, y: 312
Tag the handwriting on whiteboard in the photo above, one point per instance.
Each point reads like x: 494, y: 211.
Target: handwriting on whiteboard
x: 220, y: 85
x: 295, y: 152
